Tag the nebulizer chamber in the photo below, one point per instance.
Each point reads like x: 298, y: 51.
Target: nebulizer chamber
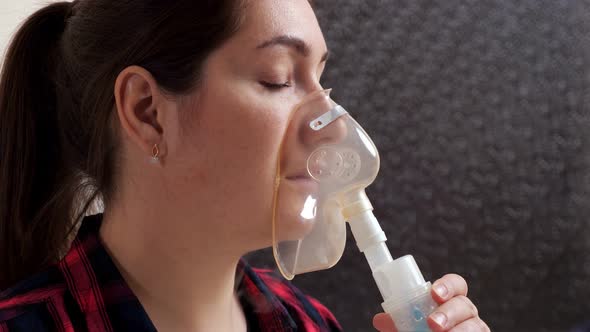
x: 326, y: 161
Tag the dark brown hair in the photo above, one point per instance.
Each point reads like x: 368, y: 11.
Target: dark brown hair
x: 58, y: 144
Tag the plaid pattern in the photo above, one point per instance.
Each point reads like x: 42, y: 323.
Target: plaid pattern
x: 86, y: 292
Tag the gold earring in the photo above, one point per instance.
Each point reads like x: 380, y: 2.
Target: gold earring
x: 155, y: 154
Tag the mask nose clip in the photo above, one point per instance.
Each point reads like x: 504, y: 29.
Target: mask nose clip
x: 327, y: 118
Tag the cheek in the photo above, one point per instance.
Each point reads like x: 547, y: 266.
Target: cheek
x: 231, y: 149
x: 247, y: 138
x: 231, y: 130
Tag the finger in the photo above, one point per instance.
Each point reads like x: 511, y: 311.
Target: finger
x: 472, y: 325
x: 452, y: 313
x: 383, y: 323
x: 449, y: 286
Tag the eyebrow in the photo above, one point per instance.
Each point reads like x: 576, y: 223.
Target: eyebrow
x: 296, y: 43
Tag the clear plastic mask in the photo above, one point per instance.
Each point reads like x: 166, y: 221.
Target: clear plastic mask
x: 325, y: 156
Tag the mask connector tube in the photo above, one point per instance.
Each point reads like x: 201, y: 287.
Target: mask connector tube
x: 368, y: 234
x: 405, y: 293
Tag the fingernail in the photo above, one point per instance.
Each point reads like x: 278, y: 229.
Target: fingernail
x: 441, y: 290
x: 439, y: 318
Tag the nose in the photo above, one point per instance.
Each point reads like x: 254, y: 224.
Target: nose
x: 301, y: 139
x: 322, y: 120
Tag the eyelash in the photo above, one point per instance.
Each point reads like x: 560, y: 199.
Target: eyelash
x: 275, y: 86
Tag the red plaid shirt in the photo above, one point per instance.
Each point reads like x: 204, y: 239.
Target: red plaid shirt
x: 86, y: 292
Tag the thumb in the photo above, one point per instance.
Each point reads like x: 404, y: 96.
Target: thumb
x: 383, y: 323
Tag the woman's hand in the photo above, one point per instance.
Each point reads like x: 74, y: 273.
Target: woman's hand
x: 456, y: 312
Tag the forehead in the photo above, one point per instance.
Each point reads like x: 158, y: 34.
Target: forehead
x: 266, y: 19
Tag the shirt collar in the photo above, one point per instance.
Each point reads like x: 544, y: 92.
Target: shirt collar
x: 100, y: 289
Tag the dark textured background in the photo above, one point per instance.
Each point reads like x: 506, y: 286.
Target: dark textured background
x: 481, y: 112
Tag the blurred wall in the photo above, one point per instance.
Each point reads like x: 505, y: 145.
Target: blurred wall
x: 12, y: 12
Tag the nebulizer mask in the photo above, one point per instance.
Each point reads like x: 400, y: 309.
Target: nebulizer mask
x: 326, y: 161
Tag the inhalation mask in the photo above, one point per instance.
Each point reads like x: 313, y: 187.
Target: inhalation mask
x: 325, y: 162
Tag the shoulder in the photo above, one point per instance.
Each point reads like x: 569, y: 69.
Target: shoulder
x: 31, y: 305
x: 305, y: 310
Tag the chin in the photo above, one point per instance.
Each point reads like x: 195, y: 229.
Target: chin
x: 290, y: 226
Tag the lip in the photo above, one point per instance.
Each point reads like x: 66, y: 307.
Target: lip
x: 300, y: 176
x: 304, y: 180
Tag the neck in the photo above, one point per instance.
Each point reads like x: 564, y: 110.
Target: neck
x: 182, y: 288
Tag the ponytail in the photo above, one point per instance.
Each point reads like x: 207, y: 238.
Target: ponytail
x: 36, y: 184
x: 59, y: 143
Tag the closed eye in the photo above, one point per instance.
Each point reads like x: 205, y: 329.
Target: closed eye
x: 275, y: 86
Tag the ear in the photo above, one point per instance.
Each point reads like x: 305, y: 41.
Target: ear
x: 138, y: 100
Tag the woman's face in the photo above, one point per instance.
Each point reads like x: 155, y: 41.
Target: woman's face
x: 224, y: 161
